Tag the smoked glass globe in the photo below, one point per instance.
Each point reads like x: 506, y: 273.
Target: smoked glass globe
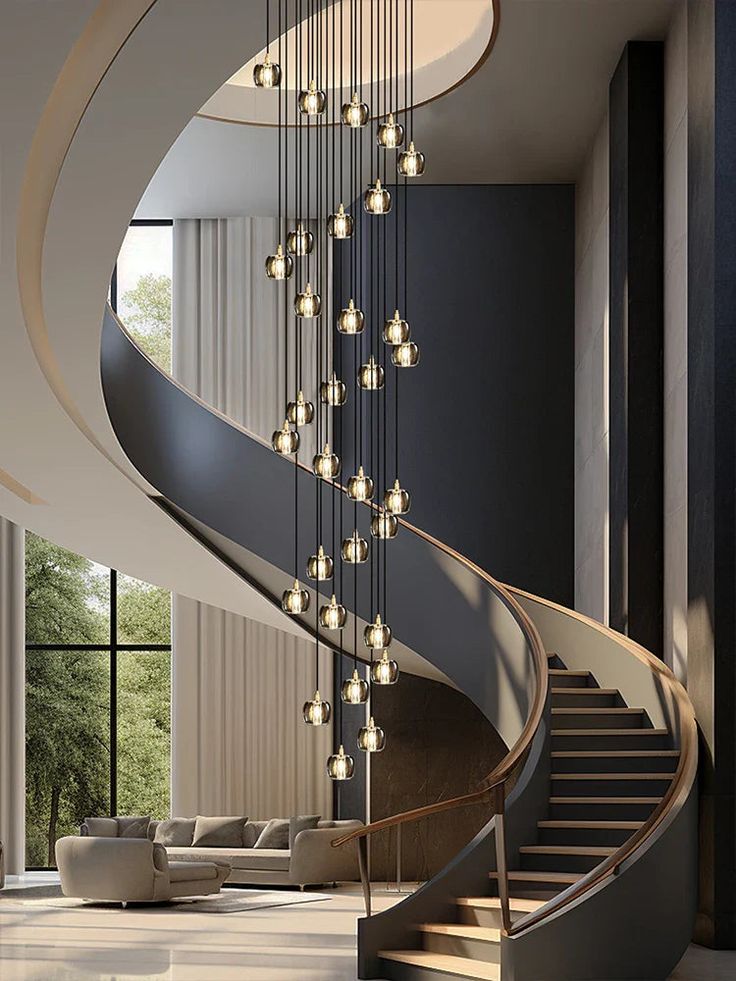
x: 360, y: 487
x: 354, y: 690
x: 333, y: 392
x: 396, y: 500
x: 405, y: 355
x: 316, y: 712
x: 390, y: 134
x: 396, y: 330
x: 384, y: 525
x: 340, y: 766
x: 340, y: 224
x: 326, y: 464
x: 308, y: 303
x: 332, y: 615
x: 377, y: 635
x: 320, y: 566
x: 300, y: 241
x: 371, y: 375
x: 300, y: 412
x: 355, y: 113
x: 350, y: 320
x: 410, y: 162
x: 285, y: 440
x: 267, y: 75
x: 385, y: 671
x: 279, y: 266
x: 377, y: 199
x: 295, y: 600
x: 312, y: 101
x: 354, y: 550
x: 371, y: 739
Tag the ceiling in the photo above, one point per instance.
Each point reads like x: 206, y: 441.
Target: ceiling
x: 528, y: 115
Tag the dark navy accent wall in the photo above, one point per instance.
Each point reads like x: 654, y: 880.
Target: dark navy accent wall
x: 487, y: 418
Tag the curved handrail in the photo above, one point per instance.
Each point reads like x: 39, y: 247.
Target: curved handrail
x: 672, y: 800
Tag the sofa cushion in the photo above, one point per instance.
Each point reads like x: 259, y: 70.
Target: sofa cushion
x: 251, y: 832
x: 266, y: 859
x: 192, y: 871
x: 100, y: 827
x: 133, y: 827
x: 219, y: 832
x: 175, y: 831
x: 301, y: 822
x: 274, y: 835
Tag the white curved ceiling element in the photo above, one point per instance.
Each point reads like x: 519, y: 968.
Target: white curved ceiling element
x: 451, y: 39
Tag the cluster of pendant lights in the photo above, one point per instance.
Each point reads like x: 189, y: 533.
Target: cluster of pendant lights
x: 312, y: 137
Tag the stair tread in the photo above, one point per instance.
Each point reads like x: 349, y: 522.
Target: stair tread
x: 569, y: 754
x: 524, y: 875
x: 593, y: 825
x: 600, y: 710
x: 567, y: 672
x: 607, y: 732
x: 584, y: 691
x: 605, y: 800
x: 612, y: 776
x: 493, y: 902
x: 468, y: 931
x: 464, y: 967
x: 592, y: 850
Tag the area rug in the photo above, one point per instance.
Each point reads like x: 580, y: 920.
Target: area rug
x: 228, y: 901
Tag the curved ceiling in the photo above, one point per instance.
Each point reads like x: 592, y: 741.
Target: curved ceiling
x: 450, y: 39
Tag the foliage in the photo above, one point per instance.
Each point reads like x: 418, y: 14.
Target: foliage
x: 68, y: 697
x: 146, y: 311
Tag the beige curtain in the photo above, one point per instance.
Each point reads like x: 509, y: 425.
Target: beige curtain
x: 12, y: 696
x: 239, y: 744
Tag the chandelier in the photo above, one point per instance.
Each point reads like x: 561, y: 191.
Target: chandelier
x: 344, y: 83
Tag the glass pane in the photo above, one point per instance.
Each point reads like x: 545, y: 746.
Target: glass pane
x: 67, y: 746
x: 67, y: 596
x: 144, y: 732
x: 144, y: 289
x: 144, y: 612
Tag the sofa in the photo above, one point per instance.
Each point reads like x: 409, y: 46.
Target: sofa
x: 131, y: 870
x: 280, y: 852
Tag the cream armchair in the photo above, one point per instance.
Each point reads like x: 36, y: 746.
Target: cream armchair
x: 131, y: 870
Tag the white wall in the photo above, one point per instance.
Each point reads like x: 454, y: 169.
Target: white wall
x: 591, y: 381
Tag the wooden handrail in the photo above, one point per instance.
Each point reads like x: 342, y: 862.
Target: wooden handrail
x: 673, y: 799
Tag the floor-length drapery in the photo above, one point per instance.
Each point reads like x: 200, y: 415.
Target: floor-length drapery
x: 239, y: 743
x: 12, y: 696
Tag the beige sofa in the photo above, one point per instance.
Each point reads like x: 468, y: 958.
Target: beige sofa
x: 132, y: 870
x: 311, y: 861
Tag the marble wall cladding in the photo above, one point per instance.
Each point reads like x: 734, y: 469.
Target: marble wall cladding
x: 675, y: 344
x: 438, y: 745
x: 591, y: 381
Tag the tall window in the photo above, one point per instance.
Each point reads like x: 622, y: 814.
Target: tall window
x: 98, y: 696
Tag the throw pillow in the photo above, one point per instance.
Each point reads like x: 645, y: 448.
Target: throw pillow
x: 100, y: 828
x: 274, y: 835
x: 133, y: 827
x: 175, y: 833
x: 251, y: 831
x: 301, y: 822
x: 219, y: 832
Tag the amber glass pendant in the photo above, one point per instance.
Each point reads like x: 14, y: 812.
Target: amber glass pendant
x: 360, y: 487
x: 396, y: 330
x: 340, y: 766
x: 340, y: 224
x: 396, y: 500
x: 384, y: 525
x: 377, y: 635
x: 350, y: 320
x: 316, y: 712
x: 320, y: 566
x: 312, y: 101
x: 300, y: 412
x: 355, y: 113
x: 354, y: 550
x: 371, y: 739
x: 371, y: 376
x: 333, y: 615
x: 354, y: 690
x: 405, y: 355
x: 377, y: 199
x: 390, y: 134
x: 300, y: 242
x: 279, y: 266
x: 307, y: 304
x: 295, y: 600
x: 267, y: 75
x: 285, y: 440
x: 326, y: 464
x: 410, y: 162
x: 333, y: 392
x: 385, y: 671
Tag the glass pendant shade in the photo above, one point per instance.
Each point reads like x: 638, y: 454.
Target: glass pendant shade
x: 410, y: 162
x: 354, y: 690
x: 285, y: 440
x: 295, y: 600
x: 396, y: 500
x: 371, y: 375
x: 377, y: 199
x: 312, y: 101
x: 307, y: 304
x: 332, y: 615
x: 267, y: 75
x: 360, y: 487
x: 340, y: 766
x: 316, y: 712
x: 355, y: 113
x: 326, y: 464
x: 320, y: 566
x: 390, y: 134
x: 396, y: 330
x: 279, y: 266
x: 300, y: 241
x: 405, y: 355
x: 384, y: 525
x: 377, y: 635
x: 354, y: 550
x: 300, y: 412
x: 340, y: 225
x: 385, y: 671
x: 333, y: 392
x: 371, y: 738
x: 350, y: 320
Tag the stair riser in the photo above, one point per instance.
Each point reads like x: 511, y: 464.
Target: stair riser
x: 582, y: 836
x: 555, y: 662
x: 614, y: 764
x: 607, y: 811
x: 570, y: 719
x: 571, y: 681
x: 610, y: 788
x: 478, y: 916
x: 480, y: 950
x: 586, y: 699
x: 560, y: 863
x: 629, y: 740
x: 411, y: 972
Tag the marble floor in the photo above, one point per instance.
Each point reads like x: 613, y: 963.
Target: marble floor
x: 312, y: 942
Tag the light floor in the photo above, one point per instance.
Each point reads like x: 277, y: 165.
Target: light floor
x: 312, y: 942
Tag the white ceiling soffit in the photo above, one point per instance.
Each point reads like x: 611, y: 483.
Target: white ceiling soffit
x: 451, y: 39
